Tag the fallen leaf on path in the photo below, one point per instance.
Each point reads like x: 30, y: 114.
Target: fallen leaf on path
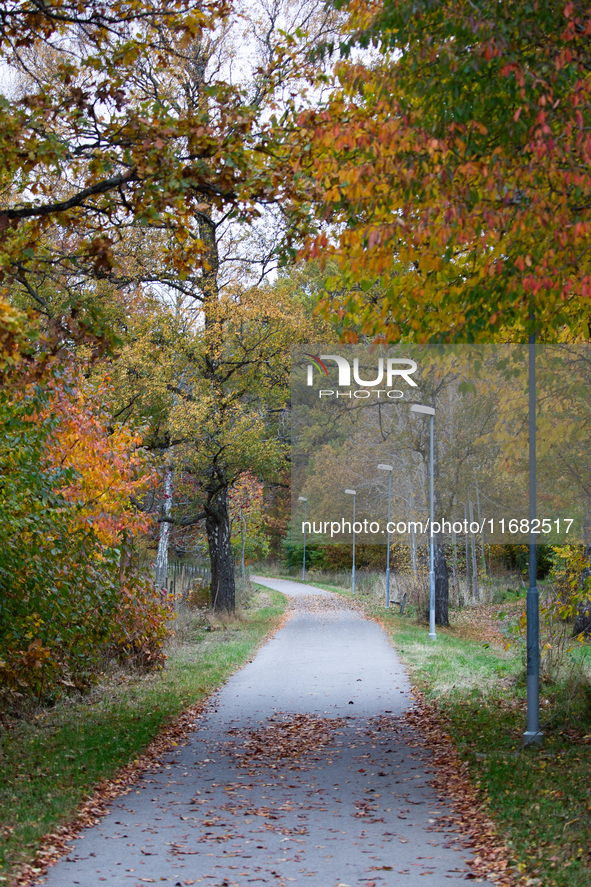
x: 285, y: 738
x: 468, y: 818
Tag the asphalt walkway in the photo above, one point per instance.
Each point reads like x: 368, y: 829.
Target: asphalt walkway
x: 299, y: 772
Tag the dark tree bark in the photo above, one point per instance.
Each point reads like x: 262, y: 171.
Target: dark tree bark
x: 441, y: 586
x: 583, y: 617
x: 217, y: 525
x: 440, y: 564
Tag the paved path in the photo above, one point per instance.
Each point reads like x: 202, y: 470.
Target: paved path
x: 299, y: 773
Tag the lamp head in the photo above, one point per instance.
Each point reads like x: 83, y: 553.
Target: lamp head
x: 385, y: 467
x: 351, y: 492
x: 420, y: 408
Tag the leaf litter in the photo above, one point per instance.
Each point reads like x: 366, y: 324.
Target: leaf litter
x: 285, y: 741
x: 468, y: 817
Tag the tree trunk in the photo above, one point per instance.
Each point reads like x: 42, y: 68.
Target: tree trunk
x: 413, y: 539
x: 468, y: 570
x: 474, y: 562
x: 243, y: 541
x: 217, y: 522
x: 455, y: 579
x: 483, y: 551
x: 162, y: 556
x: 413, y: 555
x: 440, y: 565
x: 217, y: 525
x: 441, y: 586
x: 583, y: 617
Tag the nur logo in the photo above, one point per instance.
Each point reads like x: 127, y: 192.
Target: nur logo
x: 390, y: 368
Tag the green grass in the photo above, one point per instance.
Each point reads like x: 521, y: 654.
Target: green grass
x: 540, y: 797
x: 50, y: 763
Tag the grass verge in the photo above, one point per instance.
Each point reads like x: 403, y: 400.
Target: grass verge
x: 540, y: 797
x: 51, y: 763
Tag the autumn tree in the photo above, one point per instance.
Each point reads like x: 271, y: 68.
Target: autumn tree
x: 96, y: 143
x: 213, y: 426
x: 449, y: 168
x: 231, y: 379
x: 68, y: 592
x: 77, y: 152
x: 159, y: 156
x: 246, y: 499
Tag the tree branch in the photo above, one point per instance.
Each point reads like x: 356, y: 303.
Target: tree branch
x: 183, y: 521
x: 46, y: 209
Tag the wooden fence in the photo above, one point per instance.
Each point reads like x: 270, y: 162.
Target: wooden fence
x: 181, y: 576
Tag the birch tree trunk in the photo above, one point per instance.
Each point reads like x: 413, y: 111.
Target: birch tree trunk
x: 243, y: 541
x: 162, y: 556
x: 483, y: 552
x: 440, y: 565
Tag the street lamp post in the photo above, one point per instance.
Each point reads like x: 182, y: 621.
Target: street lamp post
x: 533, y: 735
x: 429, y: 411
x: 354, y: 494
x: 389, y: 469
x: 305, y: 501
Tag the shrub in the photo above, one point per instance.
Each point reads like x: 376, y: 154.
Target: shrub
x: 67, y: 527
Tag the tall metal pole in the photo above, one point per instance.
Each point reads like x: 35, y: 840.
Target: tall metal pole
x: 388, y: 551
x: 388, y: 468
x: 533, y: 734
x: 432, y: 633
x: 353, y: 570
x: 305, y: 518
x: 354, y: 494
x: 305, y: 501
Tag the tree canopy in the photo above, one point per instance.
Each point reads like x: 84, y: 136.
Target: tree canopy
x: 449, y: 169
